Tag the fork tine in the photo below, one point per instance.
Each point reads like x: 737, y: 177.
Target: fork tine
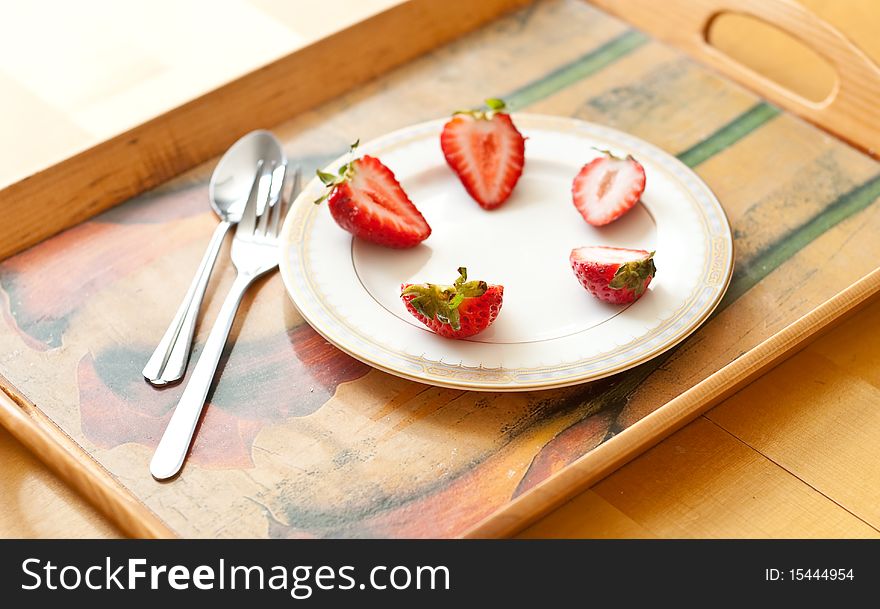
x: 249, y: 215
x: 264, y: 208
x: 272, y: 229
x: 265, y: 187
x: 279, y: 178
x: 287, y: 198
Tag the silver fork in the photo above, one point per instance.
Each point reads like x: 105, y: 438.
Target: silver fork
x: 254, y: 252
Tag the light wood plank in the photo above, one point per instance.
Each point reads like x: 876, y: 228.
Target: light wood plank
x: 29, y: 425
x: 35, y: 503
x: 703, y: 482
x: 820, y: 422
x: 804, y: 411
x: 854, y: 348
x: 587, y: 515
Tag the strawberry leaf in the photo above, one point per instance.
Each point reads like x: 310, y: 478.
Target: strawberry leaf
x: 328, y: 179
x: 453, y: 319
x: 425, y: 305
x: 493, y: 103
x: 442, y: 302
x: 473, y: 289
x: 345, y: 173
x: 633, y: 275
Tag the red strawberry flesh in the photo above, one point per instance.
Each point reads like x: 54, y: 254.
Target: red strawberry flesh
x: 371, y: 204
x: 607, y: 187
x: 612, y: 274
x: 487, y: 153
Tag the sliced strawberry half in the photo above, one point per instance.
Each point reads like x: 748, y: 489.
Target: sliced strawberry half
x: 613, y: 274
x: 367, y: 200
x: 487, y: 152
x: 459, y: 310
x: 607, y: 187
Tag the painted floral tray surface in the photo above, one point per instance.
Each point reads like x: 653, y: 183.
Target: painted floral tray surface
x: 301, y: 439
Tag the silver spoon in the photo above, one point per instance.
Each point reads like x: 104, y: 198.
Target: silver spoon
x: 228, y: 192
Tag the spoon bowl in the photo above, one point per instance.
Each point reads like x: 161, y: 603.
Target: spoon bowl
x: 232, y: 179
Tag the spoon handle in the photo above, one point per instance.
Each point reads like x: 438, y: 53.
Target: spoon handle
x: 178, y: 434
x: 169, y: 360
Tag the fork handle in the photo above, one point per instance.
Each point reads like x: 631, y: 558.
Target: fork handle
x: 168, y: 362
x: 172, y: 448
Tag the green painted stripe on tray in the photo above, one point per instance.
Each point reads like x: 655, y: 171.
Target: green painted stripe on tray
x: 605, y: 55
x: 730, y: 133
x: 773, y: 256
x: 574, y: 71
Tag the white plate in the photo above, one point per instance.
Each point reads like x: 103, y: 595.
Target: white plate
x: 551, y: 332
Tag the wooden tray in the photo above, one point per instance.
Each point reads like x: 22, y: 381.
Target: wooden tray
x: 301, y: 440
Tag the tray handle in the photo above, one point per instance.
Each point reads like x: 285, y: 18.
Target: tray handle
x: 852, y: 109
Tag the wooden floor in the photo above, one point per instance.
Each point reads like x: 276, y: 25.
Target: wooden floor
x: 795, y: 454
